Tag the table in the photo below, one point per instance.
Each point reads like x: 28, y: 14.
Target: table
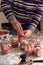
x: 18, y: 52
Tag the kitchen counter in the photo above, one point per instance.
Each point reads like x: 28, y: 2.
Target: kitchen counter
x: 18, y: 52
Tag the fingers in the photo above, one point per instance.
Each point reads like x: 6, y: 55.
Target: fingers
x: 27, y: 33
x: 20, y: 26
x: 20, y: 34
x: 16, y: 25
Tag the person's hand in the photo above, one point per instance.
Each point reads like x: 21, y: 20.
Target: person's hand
x: 27, y: 33
x: 17, y: 26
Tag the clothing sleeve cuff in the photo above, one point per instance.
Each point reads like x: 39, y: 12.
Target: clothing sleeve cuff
x: 32, y: 28
x: 11, y: 18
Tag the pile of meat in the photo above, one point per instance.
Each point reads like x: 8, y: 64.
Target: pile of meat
x: 32, y: 45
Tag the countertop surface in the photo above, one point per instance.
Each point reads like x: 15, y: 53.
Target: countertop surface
x: 18, y: 52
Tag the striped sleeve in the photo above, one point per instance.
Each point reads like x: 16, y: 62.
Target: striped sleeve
x: 6, y: 8
x: 36, y: 18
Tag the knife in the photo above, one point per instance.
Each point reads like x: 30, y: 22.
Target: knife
x: 23, y: 57
x: 38, y: 61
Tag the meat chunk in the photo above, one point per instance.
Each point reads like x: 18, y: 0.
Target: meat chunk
x: 38, y: 51
x: 14, y: 42
x: 5, y: 48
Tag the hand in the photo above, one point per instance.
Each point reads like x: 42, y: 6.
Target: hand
x: 16, y: 25
x: 27, y: 33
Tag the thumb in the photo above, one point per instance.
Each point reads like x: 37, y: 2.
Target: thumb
x: 21, y: 34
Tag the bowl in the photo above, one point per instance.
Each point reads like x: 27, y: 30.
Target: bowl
x: 4, y: 33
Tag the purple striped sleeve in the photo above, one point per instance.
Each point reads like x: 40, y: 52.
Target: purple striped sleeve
x: 38, y: 13
x: 6, y: 8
